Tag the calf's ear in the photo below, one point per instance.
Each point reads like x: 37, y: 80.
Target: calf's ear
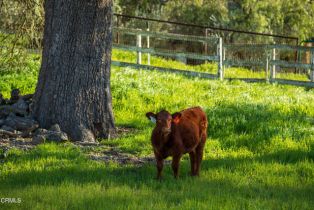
x: 176, y: 117
x: 151, y: 116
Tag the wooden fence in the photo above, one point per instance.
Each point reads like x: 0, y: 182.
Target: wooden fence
x: 139, y: 49
x: 269, y: 61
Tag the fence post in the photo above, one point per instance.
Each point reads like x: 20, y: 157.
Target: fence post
x: 296, y: 70
x: 206, y: 44
x: 220, y: 64
x: 118, y: 34
x: 312, y: 66
x: 148, y: 45
x: 223, y: 59
x: 273, y: 68
x: 267, y: 66
x: 139, y: 45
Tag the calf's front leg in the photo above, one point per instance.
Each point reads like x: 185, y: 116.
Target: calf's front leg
x: 175, y: 165
x: 160, y: 164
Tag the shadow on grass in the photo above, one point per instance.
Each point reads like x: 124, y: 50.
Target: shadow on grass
x: 79, y: 171
x: 258, y: 124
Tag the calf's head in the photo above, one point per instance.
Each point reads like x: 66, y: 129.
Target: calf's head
x: 164, y: 120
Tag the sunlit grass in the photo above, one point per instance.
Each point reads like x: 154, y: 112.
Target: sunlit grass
x: 59, y: 177
x: 25, y: 77
x: 259, y: 152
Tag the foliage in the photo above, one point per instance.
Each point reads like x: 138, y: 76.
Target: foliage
x: 291, y: 18
x: 24, y: 19
x: 139, y: 8
x: 208, y: 13
x: 21, y: 26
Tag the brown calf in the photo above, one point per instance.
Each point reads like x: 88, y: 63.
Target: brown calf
x: 177, y: 134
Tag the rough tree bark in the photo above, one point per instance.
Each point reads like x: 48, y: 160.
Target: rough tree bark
x: 73, y: 87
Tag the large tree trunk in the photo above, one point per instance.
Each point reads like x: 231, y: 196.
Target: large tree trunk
x: 73, y: 88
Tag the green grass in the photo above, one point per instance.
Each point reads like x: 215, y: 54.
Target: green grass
x: 60, y: 177
x: 22, y: 77
x: 259, y: 152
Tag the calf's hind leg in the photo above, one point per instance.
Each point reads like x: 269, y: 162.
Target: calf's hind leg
x: 199, y: 153
x: 193, y: 161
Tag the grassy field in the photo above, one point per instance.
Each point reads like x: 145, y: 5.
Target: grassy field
x: 259, y: 152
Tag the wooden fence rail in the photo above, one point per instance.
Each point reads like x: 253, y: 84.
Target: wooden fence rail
x: 161, y: 35
x: 167, y: 53
x: 259, y: 47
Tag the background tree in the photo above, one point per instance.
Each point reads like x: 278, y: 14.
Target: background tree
x: 73, y: 88
x: 23, y: 17
x: 291, y: 18
x: 21, y: 26
x: 141, y: 7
